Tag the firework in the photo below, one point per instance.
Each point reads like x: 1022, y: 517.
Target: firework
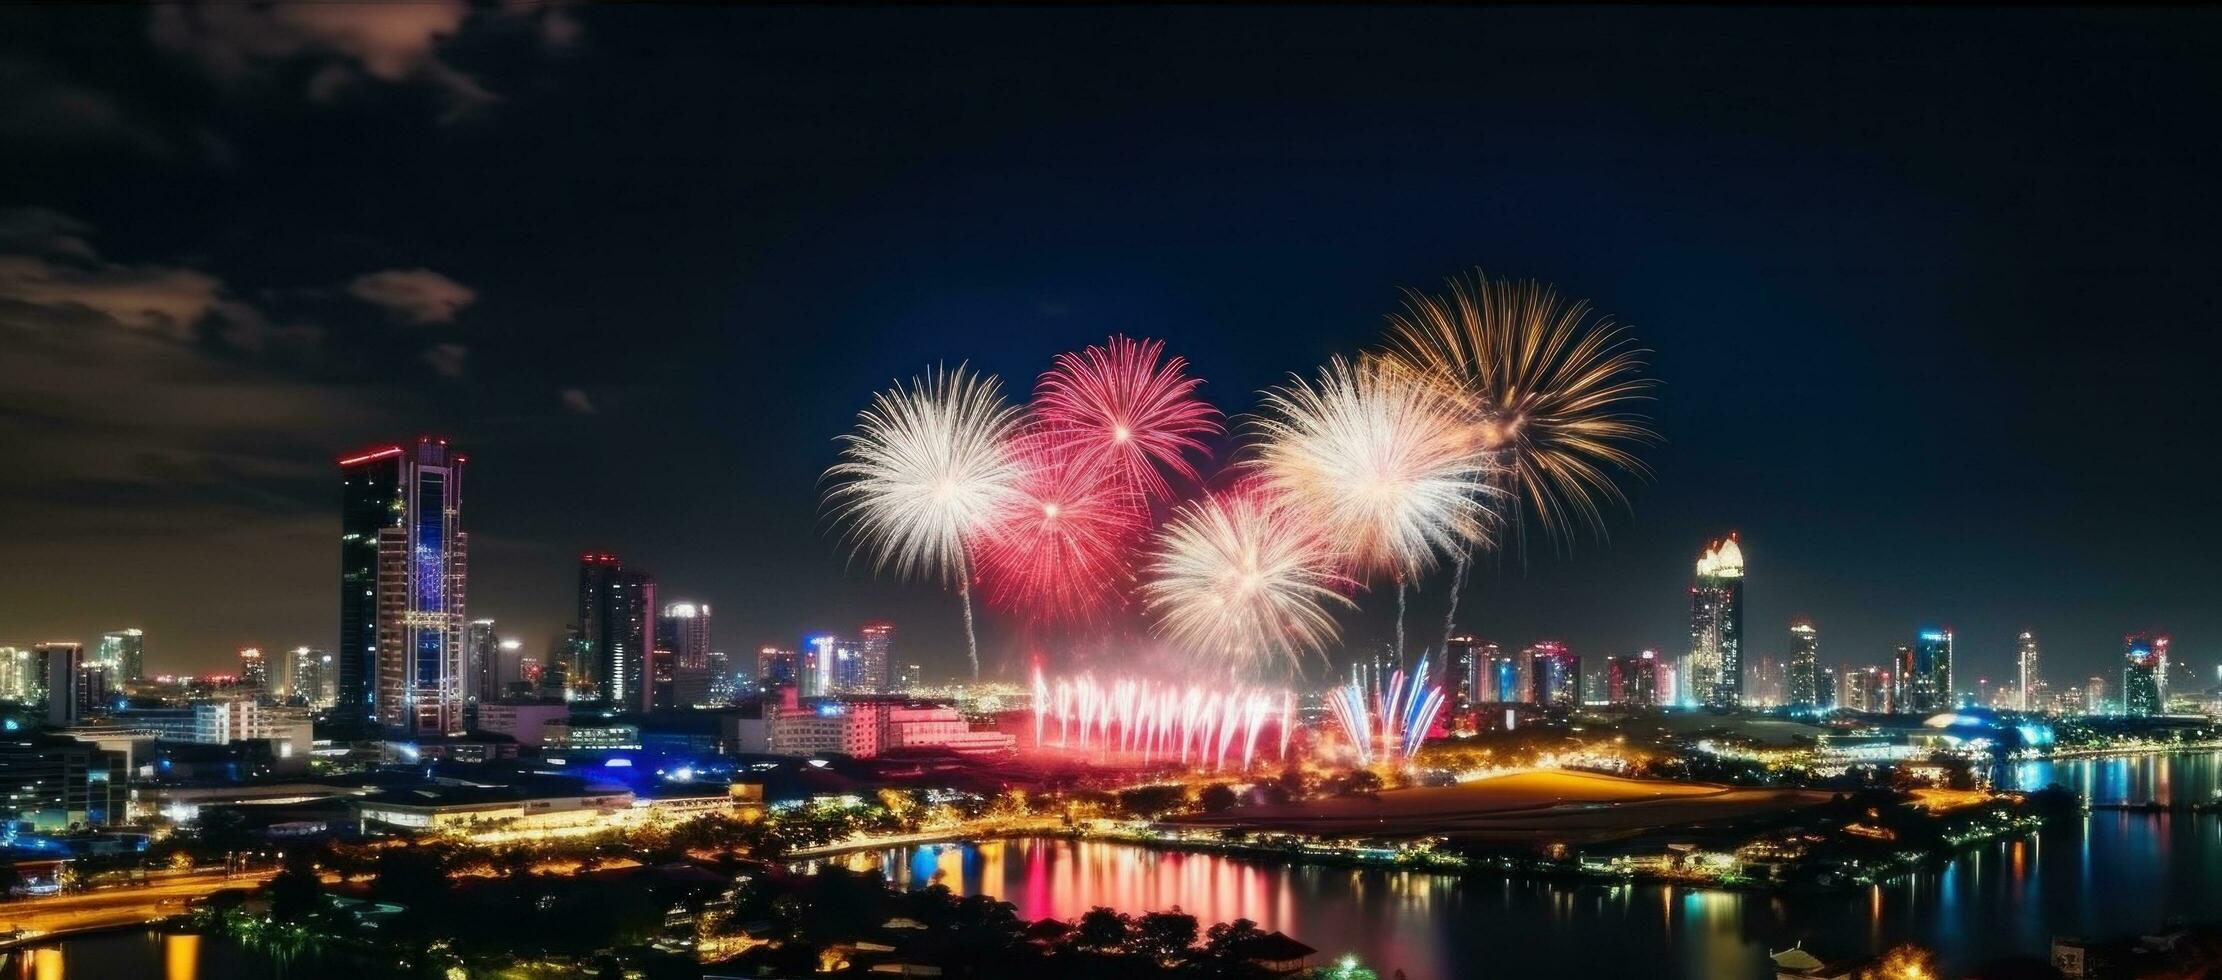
x: 1547, y: 390
x: 1389, y: 722
x: 1060, y: 551
x: 1158, y: 721
x: 926, y: 471
x: 1380, y: 461
x: 1130, y: 408
x: 1244, y: 581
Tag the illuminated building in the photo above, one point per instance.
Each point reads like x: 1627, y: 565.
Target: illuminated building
x: 722, y: 679
x: 19, y: 676
x: 2027, y: 670
x: 1556, y: 675
x: 2094, y: 695
x: 1824, y: 688
x: 1805, y: 666
x: 1633, y: 680
x: 778, y: 668
x: 876, y: 647
x: 1505, y: 673
x: 59, y: 664
x: 1864, y: 689
x: 2144, y: 674
x: 911, y: 677
x: 1716, y: 661
x: 617, y: 610
x: 56, y: 783
x: 403, y: 570
x: 1928, y: 683
x: 481, y: 662
x: 682, y: 671
x: 254, y: 671
x: 1469, y: 663
x: 313, y: 677
x: 124, y: 653
x: 865, y: 727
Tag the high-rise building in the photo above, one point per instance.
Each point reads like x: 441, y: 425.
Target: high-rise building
x: 1716, y: 660
x: 1633, y: 680
x: 1469, y: 671
x: 403, y: 570
x: 481, y: 663
x: 776, y: 667
x: 254, y: 671
x: 1928, y: 684
x: 313, y: 674
x: 910, y: 677
x: 2144, y: 673
x: 2027, y: 669
x: 876, y: 647
x: 617, y: 618
x: 60, y: 663
x: 2094, y: 695
x: 1805, y: 666
x: 1824, y: 688
x: 834, y: 665
x: 124, y: 653
x: 1505, y: 673
x: 1556, y: 675
x: 1863, y: 689
x: 682, y: 669
x: 19, y: 677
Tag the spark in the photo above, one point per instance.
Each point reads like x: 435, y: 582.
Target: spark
x: 1061, y: 550
x: 1127, y: 406
x: 1244, y: 581
x: 1191, y: 724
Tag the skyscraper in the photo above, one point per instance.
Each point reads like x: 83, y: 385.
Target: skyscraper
x: 1469, y: 671
x: 482, y: 663
x: 776, y: 667
x: 1929, y: 685
x: 617, y: 619
x: 254, y: 671
x: 1716, y: 661
x: 1556, y: 675
x: 2144, y: 669
x: 1805, y: 666
x: 683, y: 648
x: 877, y: 648
x: 2027, y: 670
x: 313, y: 679
x: 59, y: 662
x: 125, y: 653
x: 403, y: 570
x: 1633, y: 680
x: 1505, y: 673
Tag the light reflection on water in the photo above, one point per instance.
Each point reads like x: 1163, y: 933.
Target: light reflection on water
x: 2123, y: 872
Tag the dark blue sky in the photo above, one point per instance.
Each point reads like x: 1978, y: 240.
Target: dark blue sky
x: 1931, y: 293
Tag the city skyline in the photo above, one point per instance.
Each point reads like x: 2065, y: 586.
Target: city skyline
x: 1783, y: 352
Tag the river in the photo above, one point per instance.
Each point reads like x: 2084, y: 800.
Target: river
x: 2110, y: 873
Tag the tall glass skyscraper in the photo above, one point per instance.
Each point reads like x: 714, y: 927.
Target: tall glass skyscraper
x: 1715, y: 668
x: 1805, y: 689
x: 2030, y: 676
x: 2144, y: 674
x: 877, y: 647
x: 403, y: 570
x: 124, y: 653
x: 617, y: 619
x: 1929, y: 682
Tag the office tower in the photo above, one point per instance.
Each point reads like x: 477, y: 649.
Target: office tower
x: 58, y: 667
x: 254, y: 672
x: 315, y: 679
x: 1555, y: 675
x: 833, y: 665
x: 1824, y: 688
x: 2094, y: 695
x: 563, y: 674
x: 403, y: 570
x: 1928, y: 684
x: 1901, y: 680
x: 1468, y: 671
x: 17, y: 680
x: 682, y: 669
x: 2144, y: 673
x: 1861, y: 689
x: 617, y: 619
x: 778, y: 668
x: 876, y: 645
x: 1716, y: 661
x: 481, y: 662
x: 910, y: 678
x: 1633, y: 680
x: 2026, y: 670
x: 1804, y: 682
x: 721, y: 677
x: 1505, y: 673
x: 124, y: 652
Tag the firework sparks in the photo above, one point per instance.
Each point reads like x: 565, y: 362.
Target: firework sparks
x: 1130, y: 408
x: 926, y: 471
x: 1060, y: 551
x: 1380, y: 461
x: 1237, y: 578
x: 1390, y: 722
x: 1538, y: 383
x: 1158, y: 721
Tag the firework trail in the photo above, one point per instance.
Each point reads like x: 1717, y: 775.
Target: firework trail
x: 1126, y: 406
x: 1391, y: 721
x: 1060, y: 550
x: 1242, y: 580
x: 927, y: 470
x: 1159, y: 721
x: 1540, y: 385
x: 1385, y: 463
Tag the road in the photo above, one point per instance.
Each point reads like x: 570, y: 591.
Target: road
x: 118, y: 905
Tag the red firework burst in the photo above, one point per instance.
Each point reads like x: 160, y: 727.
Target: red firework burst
x: 1061, y: 551
x: 1130, y: 408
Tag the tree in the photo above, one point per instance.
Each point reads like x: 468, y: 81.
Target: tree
x: 1167, y: 935
x: 295, y: 892
x: 1216, y: 798
x: 1103, y: 930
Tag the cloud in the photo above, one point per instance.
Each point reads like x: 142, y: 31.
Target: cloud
x: 576, y: 402
x: 414, y: 295
x: 447, y: 360
x: 164, y: 299
x: 350, y: 45
x: 40, y: 108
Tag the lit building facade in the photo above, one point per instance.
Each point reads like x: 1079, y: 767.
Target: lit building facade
x: 1928, y: 684
x: 2144, y: 674
x: 124, y: 653
x: 1555, y: 675
x: 2028, y: 670
x: 1633, y: 680
x: 682, y: 668
x: 403, y: 575
x: 1804, y: 682
x: 617, y: 621
x: 1505, y: 673
x: 876, y: 645
x: 1715, y: 667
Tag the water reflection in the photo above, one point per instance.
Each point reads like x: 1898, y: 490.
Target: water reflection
x: 2126, y: 872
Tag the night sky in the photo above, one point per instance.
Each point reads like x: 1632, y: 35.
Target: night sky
x: 1931, y: 294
